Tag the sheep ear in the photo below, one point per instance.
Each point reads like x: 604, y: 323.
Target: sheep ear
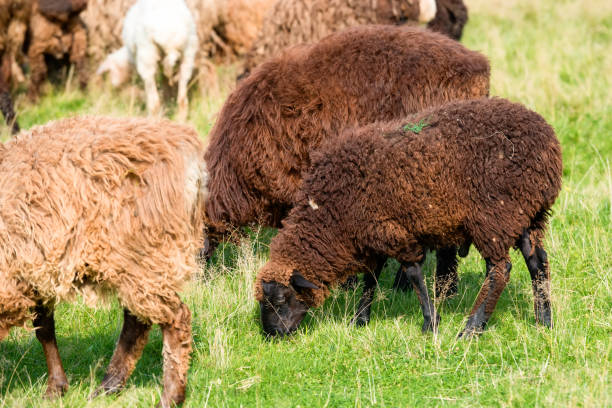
x: 300, y: 282
x: 267, y: 288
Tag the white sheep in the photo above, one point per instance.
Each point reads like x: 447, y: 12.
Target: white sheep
x: 152, y: 26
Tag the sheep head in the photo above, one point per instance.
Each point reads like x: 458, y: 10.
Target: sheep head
x: 117, y: 65
x: 281, y: 310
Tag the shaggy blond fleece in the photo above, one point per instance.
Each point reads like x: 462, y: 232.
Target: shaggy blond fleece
x: 99, y: 205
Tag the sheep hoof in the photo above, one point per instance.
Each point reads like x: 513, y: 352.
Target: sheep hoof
x: 430, y: 325
x: 543, y: 318
x: 360, y: 321
x: 111, y: 385
x: 56, y: 389
x: 469, y: 333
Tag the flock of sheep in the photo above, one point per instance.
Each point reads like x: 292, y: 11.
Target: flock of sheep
x: 361, y: 138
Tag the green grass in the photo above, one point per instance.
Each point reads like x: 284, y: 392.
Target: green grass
x: 553, y: 56
x: 415, y: 127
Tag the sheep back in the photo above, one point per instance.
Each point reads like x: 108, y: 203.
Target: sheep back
x: 291, y: 22
x: 482, y: 170
x: 96, y: 205
x: 61, y: 9
x: 261, y: 141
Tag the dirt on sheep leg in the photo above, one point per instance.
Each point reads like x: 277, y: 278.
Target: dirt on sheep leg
x: 176, y: 352
x: 133, y: 338
x: 370, y: 279
x: 446, y: 272
x: 57, y: 383
x: 431, y: 319
x: 498, y: 275
x: 537, y: 263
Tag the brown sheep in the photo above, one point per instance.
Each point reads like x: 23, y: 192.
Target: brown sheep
x: 96, y: 206
x: 260, y: 144
x: 292, y: 22
x: 14, y: 18
x: 56, y: 29
x: 485, y: 171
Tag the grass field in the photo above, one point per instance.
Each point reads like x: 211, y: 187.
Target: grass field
x: 555, y: 56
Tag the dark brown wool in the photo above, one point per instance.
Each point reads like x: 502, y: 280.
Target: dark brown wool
x: 56, y: 30
x: 451, y: 17
x: 485, y: 171
x: 292, y: 22
x: 261, y: 142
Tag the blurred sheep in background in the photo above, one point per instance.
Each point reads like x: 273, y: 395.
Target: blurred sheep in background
x: 151, y: 27
x: 14, y: 18
x: 56, y: 30
x: 292, y: 22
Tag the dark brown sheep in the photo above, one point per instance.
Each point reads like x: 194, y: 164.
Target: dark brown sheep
x: 451, y: 17
x: 261, y: 142
x: 292, y: 22
x: 56, y: 29
x: 485, y: 171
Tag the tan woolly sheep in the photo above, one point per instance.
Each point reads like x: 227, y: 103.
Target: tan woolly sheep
x: 95, y: 206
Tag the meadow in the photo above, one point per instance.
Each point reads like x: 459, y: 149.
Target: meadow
x: 555, y: 57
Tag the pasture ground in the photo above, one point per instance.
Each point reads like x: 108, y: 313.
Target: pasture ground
x: 552, y: 55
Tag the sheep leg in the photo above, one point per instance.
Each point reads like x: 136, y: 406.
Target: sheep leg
x: 176, y: 352
x: 498, y: 275
x: 185, y: 72
x: 78, y: 51
x: 446, y: 272
x: 6, y: 106
x: 401, y: 281
x: 370, y: 279
x: 431, y: 319
x: 6, y: 102
x: 146, y: 65
x: 133, y: 338
x: 537, y: 263
x: 41, y: 29
x: 44, y: 322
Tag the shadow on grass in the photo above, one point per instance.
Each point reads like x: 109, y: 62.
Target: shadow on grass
x: 23, y: 362
x: 390, y: 303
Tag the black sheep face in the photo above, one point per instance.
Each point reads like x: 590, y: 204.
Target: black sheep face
x: 281, y: 310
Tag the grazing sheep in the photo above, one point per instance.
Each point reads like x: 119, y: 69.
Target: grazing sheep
x: 14, y: 18
x: 152, y: 26
x: 485, y: 171
x: 292, y: 22
x: 260, y: 145
x: 96, y: 206
x: 56, y: 29
x: 451, y: 17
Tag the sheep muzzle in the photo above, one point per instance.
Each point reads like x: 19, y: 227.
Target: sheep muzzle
x: 281, y: 310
